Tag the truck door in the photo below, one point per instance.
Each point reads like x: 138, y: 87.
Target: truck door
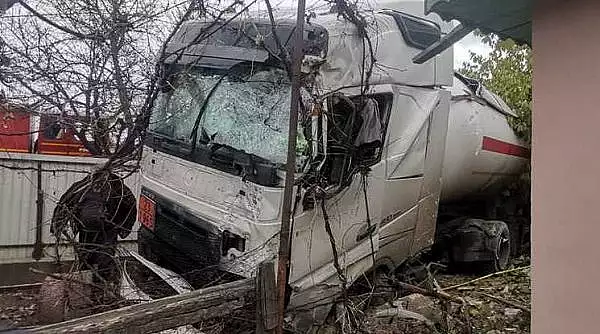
x: 352, y: 208
x: 413, y: 161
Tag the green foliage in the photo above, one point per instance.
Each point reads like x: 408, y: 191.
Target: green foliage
x: 506, y: 71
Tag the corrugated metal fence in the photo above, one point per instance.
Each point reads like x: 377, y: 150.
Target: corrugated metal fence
x: 30, y: 186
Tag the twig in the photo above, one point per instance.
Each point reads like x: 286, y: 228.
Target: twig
x: 8, y: 288
x: 484, y: 277
x: 507, y: 302
x: 58, y: 26
x: 438, y: 294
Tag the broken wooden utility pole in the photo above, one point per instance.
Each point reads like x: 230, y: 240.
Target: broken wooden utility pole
x: 166, y: 313
x: 285, y: 233
x: 266, y: 299
x: 184, y: 309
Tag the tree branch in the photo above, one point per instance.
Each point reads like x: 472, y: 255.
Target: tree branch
x: 56, y: 25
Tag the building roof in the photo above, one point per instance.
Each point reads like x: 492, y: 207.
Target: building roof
x: 506, y: 18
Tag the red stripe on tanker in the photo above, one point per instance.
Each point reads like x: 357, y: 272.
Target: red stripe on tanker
x: 499, y: 146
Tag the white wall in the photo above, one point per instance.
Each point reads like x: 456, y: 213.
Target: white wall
x: 18, y: 196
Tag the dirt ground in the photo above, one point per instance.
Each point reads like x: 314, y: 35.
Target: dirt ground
x: 483, y: 312
x: 487, y: 307
x: 18, y: 308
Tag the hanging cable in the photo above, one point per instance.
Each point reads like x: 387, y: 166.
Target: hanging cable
x: 337, y: 266
x: 364, y: 175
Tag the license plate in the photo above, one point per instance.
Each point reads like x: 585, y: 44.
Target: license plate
x: 147, y: 212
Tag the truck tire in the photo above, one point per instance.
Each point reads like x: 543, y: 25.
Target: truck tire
x: 519, y: 235
x: 501, y: 251
x: 480, y: 245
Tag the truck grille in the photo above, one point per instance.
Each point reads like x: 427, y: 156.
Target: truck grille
x: 180, y: 238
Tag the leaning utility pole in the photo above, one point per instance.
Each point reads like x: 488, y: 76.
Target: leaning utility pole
x: 285, y: 234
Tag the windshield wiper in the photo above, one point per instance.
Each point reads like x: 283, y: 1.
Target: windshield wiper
x: 239, y: 160
x: 235, y: 161
x: 194, y: 133
x: 163, y: 142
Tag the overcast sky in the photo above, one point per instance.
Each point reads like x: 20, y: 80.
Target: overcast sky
x: 468, y: 43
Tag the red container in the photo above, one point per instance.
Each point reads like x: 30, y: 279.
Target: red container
x: 55, y: 139
x: 15, y: 129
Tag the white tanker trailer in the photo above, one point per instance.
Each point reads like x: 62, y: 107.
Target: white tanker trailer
x: 481, y: 147
x: 483, y: 157
x: 379, y: 169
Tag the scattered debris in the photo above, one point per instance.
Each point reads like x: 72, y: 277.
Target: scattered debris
x: 403, y: 314
x: 483, y: 308
x: 67, y: 298
x: 423, y: 305
x: 178, y: 283
x: 438, y: 294
x: 508, y: 302
x: 412, y: 314
x: 52, y: 301
x: 511, y: 312
x: 129, y: 290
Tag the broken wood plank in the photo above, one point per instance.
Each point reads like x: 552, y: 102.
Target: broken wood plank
x: 165, y: 313
x: 266, y: 299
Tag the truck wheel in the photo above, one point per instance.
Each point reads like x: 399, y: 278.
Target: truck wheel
x: 501, y: 249
x: 480, y: 245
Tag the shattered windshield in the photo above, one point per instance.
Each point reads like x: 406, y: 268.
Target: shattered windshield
x: 246, y: 108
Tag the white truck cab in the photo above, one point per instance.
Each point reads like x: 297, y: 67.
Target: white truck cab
x: 371, y: 158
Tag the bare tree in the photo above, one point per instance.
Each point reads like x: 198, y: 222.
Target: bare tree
x: 88, y: 60
x: 92, y: 62
x: 95, y: 60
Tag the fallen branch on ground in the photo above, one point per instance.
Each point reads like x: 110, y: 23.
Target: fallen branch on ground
x: 404, y: 314
x: 438, y: 294
x: 507, y: 302
x: 170, y: 312
x: 19, y: 287
x: 486, y: 276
